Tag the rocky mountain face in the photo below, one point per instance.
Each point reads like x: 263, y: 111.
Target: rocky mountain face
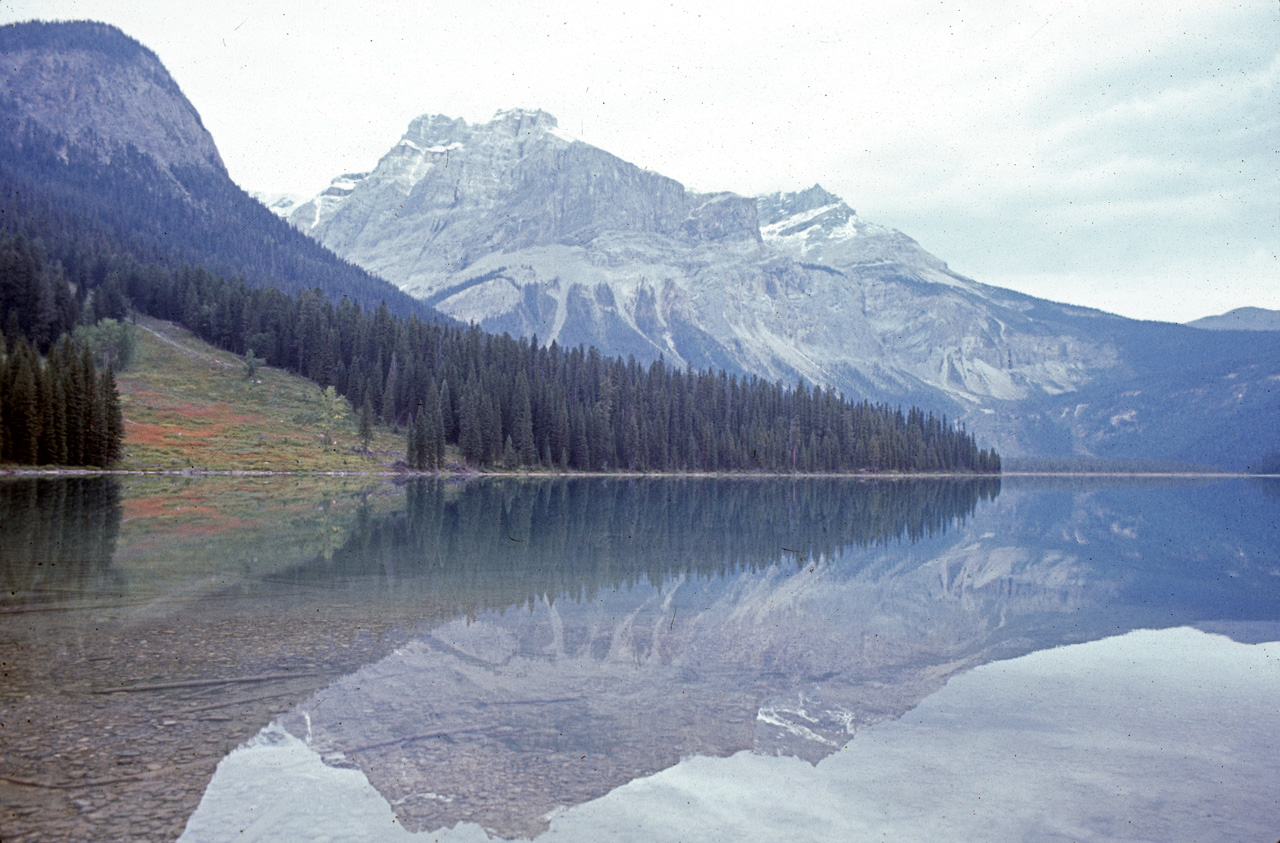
x: 519, y: 228
x: 515, y: 227
x: 99, y: 91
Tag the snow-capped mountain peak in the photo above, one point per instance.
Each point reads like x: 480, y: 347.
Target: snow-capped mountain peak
x: 510, y: 225
x: 815, y: 226
x: 514, y: 226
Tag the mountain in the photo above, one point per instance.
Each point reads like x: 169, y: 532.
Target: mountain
x: 514, y: 226
x: 1241, y: 319
x: 101, y: 156
x: 517, y: 227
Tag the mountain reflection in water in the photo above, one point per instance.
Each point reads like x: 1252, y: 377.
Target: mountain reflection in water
x: 496, y: 651
x: 656, y: 620
x: 612, y: 628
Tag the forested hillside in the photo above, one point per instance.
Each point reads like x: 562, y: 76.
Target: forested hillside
x: 133, y: 208
x: 114, y: 199
x: 503, y: 402
x: 515, y: 403
x: 100, y: 150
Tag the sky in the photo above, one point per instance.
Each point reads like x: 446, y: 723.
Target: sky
x: 1123, y: 155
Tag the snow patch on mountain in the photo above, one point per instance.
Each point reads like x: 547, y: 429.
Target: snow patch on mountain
x: 280, y: 204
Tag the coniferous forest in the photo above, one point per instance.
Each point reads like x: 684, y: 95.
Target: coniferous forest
x: 514, y: 403
x: 82, y: 243
x: 56, y: 406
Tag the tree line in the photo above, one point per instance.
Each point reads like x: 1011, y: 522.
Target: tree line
x: 517, y: 403
x: 56, y: 408
x: 61, y: 410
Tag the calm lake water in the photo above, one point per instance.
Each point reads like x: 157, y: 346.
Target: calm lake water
x: 638, y: 659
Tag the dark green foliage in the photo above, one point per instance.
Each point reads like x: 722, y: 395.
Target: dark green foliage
x: 35, y: 298
x: 112, y: 419
x: 22, y: 415
x: 61, y: 410
x: 58, y: 411
x: 558, y: 407
x: 425, y: 439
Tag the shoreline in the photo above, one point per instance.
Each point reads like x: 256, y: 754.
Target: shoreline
x: 706, y: 475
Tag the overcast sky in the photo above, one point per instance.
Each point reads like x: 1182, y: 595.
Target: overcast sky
x: 1123, y: 155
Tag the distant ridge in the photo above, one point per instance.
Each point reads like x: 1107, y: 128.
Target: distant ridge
x: 1241, y: 319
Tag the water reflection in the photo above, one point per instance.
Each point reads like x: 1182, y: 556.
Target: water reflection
x: 662, y: 620
x: 498, y: 651
x: 57, y: 537
x: 495, y: 544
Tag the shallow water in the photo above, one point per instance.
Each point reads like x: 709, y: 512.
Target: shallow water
x: 640, y: 659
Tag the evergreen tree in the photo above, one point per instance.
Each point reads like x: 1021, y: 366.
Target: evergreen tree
x: 413, y: 456
x: 22, y: 409
x: 434, y: 433
x: 469, y: 433
x: 522, y: 423
x: 366, y: 425
x: 113, y: 419
x: 448, y: 416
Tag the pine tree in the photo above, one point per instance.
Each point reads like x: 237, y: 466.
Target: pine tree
x: 366, y: 425
x: 95, y: 428
x: 388, y: 403
x: 434, y: 435
x: 412, y: 457
x: 449, y: 427
x: 522, y: 423
x: 76, y: 398
x: 113, y: 419
x: 23, y: 409
x: 56, y: 415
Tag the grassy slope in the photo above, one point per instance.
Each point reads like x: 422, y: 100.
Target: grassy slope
x: 188, y: 405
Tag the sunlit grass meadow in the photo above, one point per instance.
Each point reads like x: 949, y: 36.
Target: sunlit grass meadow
x: 188, y: 405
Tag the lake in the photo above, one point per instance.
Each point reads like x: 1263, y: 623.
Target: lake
x: 253, y: 658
